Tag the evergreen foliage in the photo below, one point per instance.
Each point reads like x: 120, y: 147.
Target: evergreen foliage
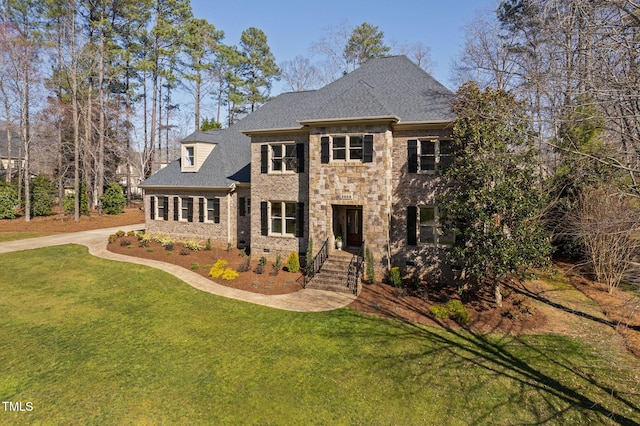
x: 42, y: 196
x: 366, y: 42
x: 293, y: 262
x: 113, y: 200
x: 8, y: 201
x: 370, y: 272
x: 493, y: 201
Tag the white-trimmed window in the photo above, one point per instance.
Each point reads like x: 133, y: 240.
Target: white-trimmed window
x: 283, y: 218
x: 430, y: 155
x: 159, y: 207
x: 283, y: 158
x: 184, y: 208
x: 423, y: 227
x: 189, y: 156
x: 213, y: 210
x: 348, y: 147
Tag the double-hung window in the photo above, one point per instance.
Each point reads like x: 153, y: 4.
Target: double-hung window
x: 159, y: 208
x: 282, y: 218
x: 285, y: 157
x: 346, y: 148
x: 183, y: 209
x: 423, y: 227
x: 430, y: 155
x: 189, y: 156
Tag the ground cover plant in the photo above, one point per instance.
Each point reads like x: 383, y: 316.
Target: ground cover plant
x: 95, y: 341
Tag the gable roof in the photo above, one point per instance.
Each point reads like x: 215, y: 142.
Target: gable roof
x: 384, y: 87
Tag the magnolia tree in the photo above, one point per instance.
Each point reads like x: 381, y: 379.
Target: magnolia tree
x: 494, y: 201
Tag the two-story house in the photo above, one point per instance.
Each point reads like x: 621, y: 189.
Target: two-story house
x: 358, y: 159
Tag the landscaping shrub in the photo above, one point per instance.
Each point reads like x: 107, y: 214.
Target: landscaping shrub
x: 8, y: 202
x: 195, y: 266
x: 245, y: 265
x: 68, y: 203
x: 259, y: 269
x: 293, y: 262
x: 120, y: 233
x: 395, y: 277
x: 113, y: 199
x: 218, y: 268
x: 193, y: 245
x: 168, y: 247
x: 276, y: 265
x: 229, y: 275
x: 207, y: 247
x: 125, y: 243
x: 43, y: 194
x: 454, y: 309
x: 112, y: 238
x: 370, y: 273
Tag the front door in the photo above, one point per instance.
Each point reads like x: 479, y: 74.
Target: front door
x: 354, y: 227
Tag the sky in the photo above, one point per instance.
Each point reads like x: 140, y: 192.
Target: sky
x: 292, y: 26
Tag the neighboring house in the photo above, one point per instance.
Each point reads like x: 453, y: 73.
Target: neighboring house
x: 14, y: 157
x: 358, y: 158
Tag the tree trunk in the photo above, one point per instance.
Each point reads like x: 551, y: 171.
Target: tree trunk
x: 498, y: 294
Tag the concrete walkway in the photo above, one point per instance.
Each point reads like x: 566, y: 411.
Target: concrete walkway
x: 306, y: 300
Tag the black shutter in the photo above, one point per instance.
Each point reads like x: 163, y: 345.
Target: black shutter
x: 300, y: 157
x: 264, y: 218
x: 165, y: 205
x: 324, y: 149
x: 299, y: 219
x: 190, y: 209
x: 216, y: 210
x: 412, y: 218
x: 201, y: 209
x: 367, y: 155
x: 176, y: 208
x: 412, y: 153
x: 241, y: 206
x: 264, y: 158
x: 152, y: 213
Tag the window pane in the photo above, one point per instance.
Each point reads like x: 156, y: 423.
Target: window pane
x: 339, y: 148
x: 447, y: 237
x: 276, y: 225
x: 276, y: 151
x: 355, y: 147
x: 276, y: 209
x: 427, y: 234
x: 290, y: 210
x: 189, y: 158
x: 290, y: 157
x: 428, y: 148
x: 276, y: 164
x: 427, y: 215
x: 291, y: 226
x: 446, y: 147
x: 427, y: 162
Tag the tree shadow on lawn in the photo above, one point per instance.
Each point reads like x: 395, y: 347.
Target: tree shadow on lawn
x: 453, y: 348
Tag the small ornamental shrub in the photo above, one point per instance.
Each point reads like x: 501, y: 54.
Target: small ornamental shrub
x: 195, y: 266
x: 8, y: 202
x: 259, y: 269
x: 125, y: 243
x: 140, y: 235
x: 229, y: 275
x: 68, y: 203
x: 193, y: 245
x: 293, y: 262
x: 184, y: 252
x: 395, y: 277
x: 458, y: 312
x: 242, y: 252
x: 276, y: 265
x: 229, y: 247
x: 43, y: 194
x: 131, y: 234
x: 218, y: 268
x: 120, y: 234
x: 112, y: 238
x: 164, y: 240
x: 454, y: 309
x: 207, y: 247
x: 168, y: 247
x: 245, y: 266
x: 370, y: 273
x: 113, y: 199
x: 439, y: 311
x: 145, y: 239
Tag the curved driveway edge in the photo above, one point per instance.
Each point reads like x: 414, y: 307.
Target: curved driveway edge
x: 307, y: 300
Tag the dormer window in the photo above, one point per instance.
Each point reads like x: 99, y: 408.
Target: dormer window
x: 189, y: 156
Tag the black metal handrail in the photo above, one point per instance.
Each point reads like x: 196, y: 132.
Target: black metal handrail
x: 355, y: 266
x: 314, y: 266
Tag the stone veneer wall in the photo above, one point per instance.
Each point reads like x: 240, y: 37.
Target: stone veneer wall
x: 225, y: 231
x: 291, y: 187
x: 353, y: 183
x: 414, y: 189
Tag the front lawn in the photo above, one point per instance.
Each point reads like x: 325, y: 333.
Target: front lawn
x: 86, y: 340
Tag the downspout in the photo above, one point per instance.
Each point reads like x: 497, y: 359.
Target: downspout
x: 232, y: 189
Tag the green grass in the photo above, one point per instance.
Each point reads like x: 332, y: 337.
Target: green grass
x: 13, y: 236
x: 90, y: 341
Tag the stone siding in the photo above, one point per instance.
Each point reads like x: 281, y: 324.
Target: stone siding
x: 227, y: 231
x: 287, y: 187
x: 415, y: 189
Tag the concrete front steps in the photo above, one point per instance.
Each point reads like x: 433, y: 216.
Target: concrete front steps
x: 333, y: 274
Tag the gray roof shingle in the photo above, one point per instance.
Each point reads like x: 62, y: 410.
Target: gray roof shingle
x: 391, y: 86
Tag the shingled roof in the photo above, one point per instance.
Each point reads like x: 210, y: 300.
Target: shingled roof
x: 384, y: 87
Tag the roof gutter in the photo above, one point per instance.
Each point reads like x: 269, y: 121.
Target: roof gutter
x: 435, y: 124
x: 350, y: 120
